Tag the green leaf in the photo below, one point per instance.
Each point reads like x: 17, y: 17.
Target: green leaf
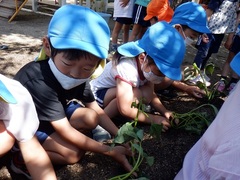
x: 201, y: 85
x: 150, y: 160
x: 140, y: 134
x: 124, y: 133
x: 134, y: 104
x: 155, y: 130
x: 209, y: 68
x: 138, y: 148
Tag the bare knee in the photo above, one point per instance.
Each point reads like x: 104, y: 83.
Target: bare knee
x: 84, y: 118
x: 73, y: 157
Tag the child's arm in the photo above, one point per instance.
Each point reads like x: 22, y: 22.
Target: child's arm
x: 72, y: 136
x: 104, y: 121
x: 37, y: 160
x: 126, y: 94
x: 148, y: 93
x: 159, y: 107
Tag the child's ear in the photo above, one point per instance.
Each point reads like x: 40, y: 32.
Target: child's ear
x: 46, y: 46
x: 141, y: 57
x: 177, y: 27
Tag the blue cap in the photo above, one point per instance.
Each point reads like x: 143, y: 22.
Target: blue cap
x: 78, y: 27
x: 193, y: 15
x: 164, y: 44
x: 5, y: 94
x: 235, y: 64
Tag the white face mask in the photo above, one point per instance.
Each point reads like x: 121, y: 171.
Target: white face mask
x: 65, y: 81
x: 188, y: 41
x: 150, y: 76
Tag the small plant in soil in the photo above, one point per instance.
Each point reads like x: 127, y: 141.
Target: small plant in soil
x: 211, y: 92
x: 130, y: 134
x: 193, y: 121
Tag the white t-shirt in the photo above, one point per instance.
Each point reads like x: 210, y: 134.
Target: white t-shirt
x: 120, y: 11
x: 126, y: 69
x: 217, y: 154
x: 20, y: 119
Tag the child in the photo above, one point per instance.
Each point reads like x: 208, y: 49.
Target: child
x: 234, y: 48
x: 139, y: 24
x: 131, y: 76
x: 19, y: 121
x: 216, y: 154
x: 122, y: 14
x: 190, y: 20
x: 77, y: 42
x: 158, y: 11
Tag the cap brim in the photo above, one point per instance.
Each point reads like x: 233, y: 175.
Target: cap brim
x: 5, y: 94
x: 195, y: 27
x: 201, y: 29
x: 130, y: 49
x: 148, y: 17
x: 170, y: 72
x: 235, y: 64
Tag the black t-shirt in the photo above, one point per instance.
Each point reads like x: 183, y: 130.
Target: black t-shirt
x: 48, y: 95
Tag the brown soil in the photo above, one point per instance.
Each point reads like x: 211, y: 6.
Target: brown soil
x: 23, y: 36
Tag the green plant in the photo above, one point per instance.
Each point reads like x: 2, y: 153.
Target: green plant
x: 193, y: 121
x: 192, y: 72
x: 130, y: 133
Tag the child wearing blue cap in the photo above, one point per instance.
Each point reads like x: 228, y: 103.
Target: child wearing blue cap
x: 190, y: 20
x: 216, y: 154
x: 77, y: 42
x: 134, y: 70
x: 19, y: 122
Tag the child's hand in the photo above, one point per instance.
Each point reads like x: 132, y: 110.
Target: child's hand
x: 161, y: 120
x: 195, y: 91
x: 119, y: 153
x: 205, y: 38
x: 168, y: 114
x: 124, y: 3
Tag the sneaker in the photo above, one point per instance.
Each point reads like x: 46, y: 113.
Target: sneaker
x: 198, y: 78
x: 100, y: 134
x: 18, y: 166
x: 220, y: 86
x: 206, y: 77
x: 231, y: 87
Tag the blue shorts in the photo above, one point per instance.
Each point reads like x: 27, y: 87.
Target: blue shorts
x: 45, y: 129
x: 235, y: 48
x: 139, y: 13
x: 100, y: 96
x: 123, y: 20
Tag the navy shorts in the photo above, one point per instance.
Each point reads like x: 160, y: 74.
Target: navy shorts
x: 139, y: 13
x: 100, y: 96
x: 235, y: 48
x: 45, y: 129
x: 123, y: 20
x: 216, y: 42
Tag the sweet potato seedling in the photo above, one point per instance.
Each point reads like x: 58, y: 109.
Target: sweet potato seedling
x: 192, y: 72
x: 131, y: 134
x: 193, y: 121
